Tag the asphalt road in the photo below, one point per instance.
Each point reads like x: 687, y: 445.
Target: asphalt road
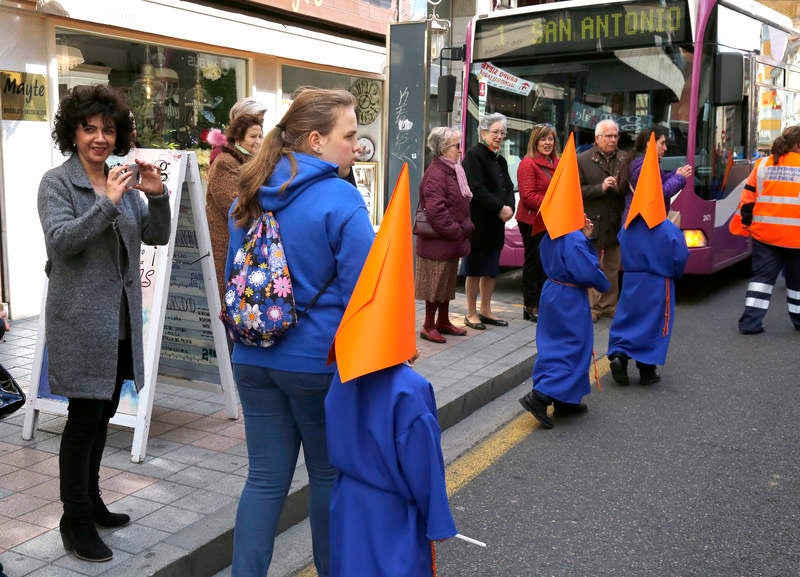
x: 698, y: 475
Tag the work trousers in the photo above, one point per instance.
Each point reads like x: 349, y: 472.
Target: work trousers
x: 605, y: 303
x: 533, y: 276
x: 83, y: 441
x: 281, y: 410
x: 768, y: 261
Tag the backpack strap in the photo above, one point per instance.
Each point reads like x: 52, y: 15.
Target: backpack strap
x: 316, y: 297
x: 313, y: 301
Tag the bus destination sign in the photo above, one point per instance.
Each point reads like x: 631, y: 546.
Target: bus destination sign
x: 587, y: 28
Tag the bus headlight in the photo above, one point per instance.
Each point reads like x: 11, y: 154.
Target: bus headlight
x: 695, y: 238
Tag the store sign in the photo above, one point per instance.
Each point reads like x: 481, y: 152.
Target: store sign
x: 23, y: 96
x: 503, y: 80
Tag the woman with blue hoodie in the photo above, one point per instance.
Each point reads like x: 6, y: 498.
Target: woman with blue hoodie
x: 326, y: 234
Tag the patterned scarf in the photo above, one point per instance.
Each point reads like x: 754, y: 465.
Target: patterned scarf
x: 461, y: 177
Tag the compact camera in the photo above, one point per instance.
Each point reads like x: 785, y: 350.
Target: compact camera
x: 132, y: 169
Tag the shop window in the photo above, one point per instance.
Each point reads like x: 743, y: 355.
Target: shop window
x: 176, y: 95
x: 369, y: 112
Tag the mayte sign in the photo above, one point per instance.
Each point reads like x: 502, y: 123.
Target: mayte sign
x: 24, y: 96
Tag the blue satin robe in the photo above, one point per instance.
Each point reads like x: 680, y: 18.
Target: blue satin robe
x: 390, y: 500
x: 564, y: 332
x: 652, y: 259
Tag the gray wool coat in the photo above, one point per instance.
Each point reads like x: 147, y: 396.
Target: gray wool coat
x: 82, y: 317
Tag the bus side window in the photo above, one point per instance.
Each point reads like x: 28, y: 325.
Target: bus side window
x: 729, y: 145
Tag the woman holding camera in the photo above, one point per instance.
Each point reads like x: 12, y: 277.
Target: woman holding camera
x: 94, y: 220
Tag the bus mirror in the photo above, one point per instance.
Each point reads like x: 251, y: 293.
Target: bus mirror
x: 728, y: 78
x: 446, y: 92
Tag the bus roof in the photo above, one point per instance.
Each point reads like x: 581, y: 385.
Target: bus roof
x: 750, y: 7
x: 760, y: 11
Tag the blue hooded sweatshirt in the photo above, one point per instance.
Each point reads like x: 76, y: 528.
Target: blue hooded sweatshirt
x: 326, y: 232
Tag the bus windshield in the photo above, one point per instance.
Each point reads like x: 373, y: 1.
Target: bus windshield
x: 574, y: 66
x: 636, y: 87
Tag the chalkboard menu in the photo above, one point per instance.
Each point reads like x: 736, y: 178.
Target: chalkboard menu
x: 408, y: 97
x: 187, y: 342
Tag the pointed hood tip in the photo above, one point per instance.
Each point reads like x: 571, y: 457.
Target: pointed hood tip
x: 562, y: 207
x: 378, y: 328
x: 648, y: 198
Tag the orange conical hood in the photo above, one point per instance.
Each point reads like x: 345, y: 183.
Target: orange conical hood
x: 648, y: 198
x: 378, y: 327
x: 562, y: 207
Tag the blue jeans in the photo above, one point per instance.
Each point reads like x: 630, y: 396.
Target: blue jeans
x: 281, y: 409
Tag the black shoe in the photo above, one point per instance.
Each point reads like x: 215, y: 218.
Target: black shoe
x: 536, y: 403
x: 755, y: 331
x: 105, y: 518
x: 565, y: 409
x: 80, y: 537
x: 490, y: 321
x: 528, y: 314
x: 619, y: 370
x: 649, y: 378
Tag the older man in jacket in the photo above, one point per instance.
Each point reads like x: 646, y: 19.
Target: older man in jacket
x: 604, y: 203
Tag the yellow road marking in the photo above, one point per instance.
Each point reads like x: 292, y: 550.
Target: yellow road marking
x: 481, y: 457
x: 308, y: 571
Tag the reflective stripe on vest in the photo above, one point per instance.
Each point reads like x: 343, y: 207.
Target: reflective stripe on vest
x: 776, y: 215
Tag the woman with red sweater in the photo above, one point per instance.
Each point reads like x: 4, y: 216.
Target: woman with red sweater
x: 533, y: 178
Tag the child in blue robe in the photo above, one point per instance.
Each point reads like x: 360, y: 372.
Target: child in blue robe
x: 390, y: 499
x: 652, y: 258
x: 564, y: 333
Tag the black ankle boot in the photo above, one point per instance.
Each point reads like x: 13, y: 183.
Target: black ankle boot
x: 80, y: 537
x: 105, y: 518
x: 648, y: 375
x: 619, y: 369
x: 536, y: 404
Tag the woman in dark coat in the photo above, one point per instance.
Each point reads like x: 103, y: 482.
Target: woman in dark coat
x: 445, y: 194
x: 533, y: 178
x: 94, y: 221
x: 244, y: 139
x: 492, y: 205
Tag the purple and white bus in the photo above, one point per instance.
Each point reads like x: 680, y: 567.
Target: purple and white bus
x: 722, y: 75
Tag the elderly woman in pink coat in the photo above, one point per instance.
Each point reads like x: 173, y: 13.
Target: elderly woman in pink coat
x: 445, y: 195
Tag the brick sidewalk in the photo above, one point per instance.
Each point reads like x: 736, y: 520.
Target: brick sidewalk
x: 182, y: 498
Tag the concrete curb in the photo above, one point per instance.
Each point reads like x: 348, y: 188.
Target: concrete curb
x: 503, y: 357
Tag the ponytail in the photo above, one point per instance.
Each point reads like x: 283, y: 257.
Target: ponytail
x: 786, y: 142
x: 312, y: 109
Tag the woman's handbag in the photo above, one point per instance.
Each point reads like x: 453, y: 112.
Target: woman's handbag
x: 11, y: 395
x: 421, y: 225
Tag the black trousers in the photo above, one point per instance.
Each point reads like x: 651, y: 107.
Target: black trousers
x: 768, y: 261
x: 533, y: 276
x: 83, y: 441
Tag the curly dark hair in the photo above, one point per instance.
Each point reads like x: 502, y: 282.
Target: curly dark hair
x: 238, y: 128
x: 83, y: 102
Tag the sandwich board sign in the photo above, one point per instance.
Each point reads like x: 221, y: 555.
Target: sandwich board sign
x: 183, y: 341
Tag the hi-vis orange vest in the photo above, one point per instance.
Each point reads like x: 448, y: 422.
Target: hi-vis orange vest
x: 775, y: 190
